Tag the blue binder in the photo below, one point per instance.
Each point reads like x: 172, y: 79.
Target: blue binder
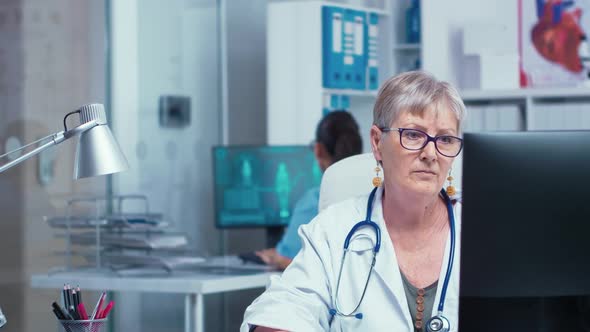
x: 348, y: 47
x: 331, y: 103
x: 345, y: 102
x: 359, y: 52
x: 334, y: 102
x: 372, y: 48
x: 332, y: 48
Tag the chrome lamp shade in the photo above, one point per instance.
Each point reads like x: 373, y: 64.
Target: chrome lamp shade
x: 98, y: 153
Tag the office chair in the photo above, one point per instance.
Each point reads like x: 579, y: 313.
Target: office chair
x: 347, y: 178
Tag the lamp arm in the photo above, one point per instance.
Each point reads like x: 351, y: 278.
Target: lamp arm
x: 55, y: 140
x: 26, y: 146
x: 80, y: 129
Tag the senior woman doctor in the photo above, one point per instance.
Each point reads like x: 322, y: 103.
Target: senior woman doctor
x: 414, y: 138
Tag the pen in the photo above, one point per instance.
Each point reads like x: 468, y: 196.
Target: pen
x: 82, y: 311
x: 58, y: 311
x: 79, y: 292
x: 69, y: 292
x: 74, y: 298
x: 73, y: 313
x: 98, y: 305
x: 67, y: 315
x: 106, y: 310
x: 58, y: 314
x: 65, y: 297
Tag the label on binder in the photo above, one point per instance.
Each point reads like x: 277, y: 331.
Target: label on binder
x: 373, y: 31
x: 359, y: 35
x: 348, y: 28
x: 337, y: 33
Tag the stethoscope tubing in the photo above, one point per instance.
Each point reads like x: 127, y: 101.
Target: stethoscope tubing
x: 443, y: 293
x: 365, y: 223
x: 369, y: 223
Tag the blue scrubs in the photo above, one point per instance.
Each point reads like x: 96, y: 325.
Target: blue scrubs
x: 305, y: 210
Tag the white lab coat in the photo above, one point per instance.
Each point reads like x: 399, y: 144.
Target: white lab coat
x: 300, y: 299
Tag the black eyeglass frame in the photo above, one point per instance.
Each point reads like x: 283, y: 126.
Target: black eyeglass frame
x: 428, y: 139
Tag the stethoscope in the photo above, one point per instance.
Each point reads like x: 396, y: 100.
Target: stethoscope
x: 438, y: 323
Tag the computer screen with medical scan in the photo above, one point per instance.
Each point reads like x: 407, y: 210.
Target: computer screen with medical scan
x: 525, y: 253
x: 258, y: 186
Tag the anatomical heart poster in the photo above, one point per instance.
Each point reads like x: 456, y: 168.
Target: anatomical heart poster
x: 553, y: 42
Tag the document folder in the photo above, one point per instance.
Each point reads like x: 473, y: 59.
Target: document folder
x: 332, y: 49
x: 332, y: 103
x: 372, y: 48
x: 349, y: 48
x: 360, y: 55
x: 345, y: 102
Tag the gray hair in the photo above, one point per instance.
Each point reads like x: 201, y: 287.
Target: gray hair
x: 415, y: 91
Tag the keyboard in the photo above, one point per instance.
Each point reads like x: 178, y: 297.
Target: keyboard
x: 250, y: 257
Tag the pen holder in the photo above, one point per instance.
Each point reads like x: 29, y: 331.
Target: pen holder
x: 95, y: 325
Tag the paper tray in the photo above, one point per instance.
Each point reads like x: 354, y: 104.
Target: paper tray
x: 133, y: 240
x: 128, y: 220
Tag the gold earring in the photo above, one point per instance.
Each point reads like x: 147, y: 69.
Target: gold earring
x: 450, y: 188
x: 377, y: 180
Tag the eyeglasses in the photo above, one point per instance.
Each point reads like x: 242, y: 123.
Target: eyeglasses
x: 414, y: 139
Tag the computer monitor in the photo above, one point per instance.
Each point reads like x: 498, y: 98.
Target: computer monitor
x: 525, y: 237
x: 258, y: 186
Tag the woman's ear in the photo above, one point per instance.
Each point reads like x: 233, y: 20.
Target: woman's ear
x: 376, y: 142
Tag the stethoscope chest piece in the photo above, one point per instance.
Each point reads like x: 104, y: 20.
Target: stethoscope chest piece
x: 438, y: 324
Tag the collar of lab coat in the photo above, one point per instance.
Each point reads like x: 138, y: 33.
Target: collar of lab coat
x: 387, y: 268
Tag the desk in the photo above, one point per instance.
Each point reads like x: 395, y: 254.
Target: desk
x: 215, y: 276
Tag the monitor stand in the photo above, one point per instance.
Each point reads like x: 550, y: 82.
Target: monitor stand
x: 273, y: 235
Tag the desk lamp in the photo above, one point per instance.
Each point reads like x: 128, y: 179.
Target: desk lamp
x: 97, y: 153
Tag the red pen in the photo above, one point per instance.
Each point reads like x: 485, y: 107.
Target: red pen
x: 82, y: 311
x: 96, y: 312
x: 106, y: 310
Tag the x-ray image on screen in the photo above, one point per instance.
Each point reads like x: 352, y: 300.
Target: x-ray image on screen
x: 258, y: 186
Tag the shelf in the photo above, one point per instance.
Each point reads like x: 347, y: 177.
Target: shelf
x: 351, y: 92
x: 576, y: 93
x: 407, y: 47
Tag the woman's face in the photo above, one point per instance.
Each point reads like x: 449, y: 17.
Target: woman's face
x: 418, y: 171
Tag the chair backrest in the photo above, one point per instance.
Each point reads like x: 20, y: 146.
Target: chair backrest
x: 347, y: 178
